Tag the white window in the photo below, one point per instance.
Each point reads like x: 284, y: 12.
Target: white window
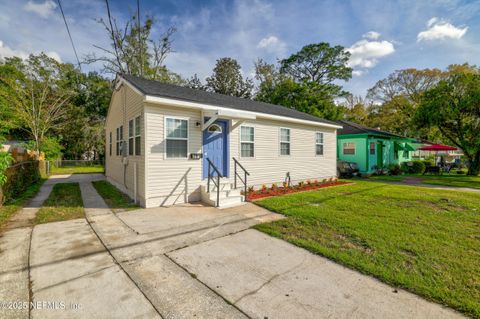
x: 130, y: 137
x: 138, y: 139
x: 372, y: 148
x: 247, y: 141
x: 176, y: 132
x: 284, y: 141
x: 348, y: 148
x: 134, y: 138
x: 119, y: 141
x: 110, y: 144
x: 319, y: 143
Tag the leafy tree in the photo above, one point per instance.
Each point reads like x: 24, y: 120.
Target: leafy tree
x: 133, y: 51
x: 304, y: 97
x: 453, y: 106
x: 227, y: 79
x: 396, y: 99
x: 50, y: 146
x: 269, y: 77
x: 83, y: 132
x: 356, y: 109
x: 8, y: 117
x: 195, y: 83
x: 306, y: 80
x: 318, y: 63
x: 38, y: 96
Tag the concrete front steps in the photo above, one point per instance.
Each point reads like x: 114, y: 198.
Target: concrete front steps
x: 229, y: 197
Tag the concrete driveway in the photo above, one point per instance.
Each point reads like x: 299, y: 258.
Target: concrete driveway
x: 183, y: 262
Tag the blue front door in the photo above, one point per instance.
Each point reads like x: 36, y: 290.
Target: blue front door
x: 215, y: 147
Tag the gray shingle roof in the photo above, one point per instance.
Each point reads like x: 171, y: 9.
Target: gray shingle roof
x: 354, y: 128
x: 155, y: 88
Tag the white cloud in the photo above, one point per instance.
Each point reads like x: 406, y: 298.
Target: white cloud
x: 439, y: 30
x: 54, y: 55
x: 267, y: 42
x: 371, y: 35
x: 272, y: 44
x: 357, y: 72
x: 7, y: 52
x: 366, y: 53
x: 44, y: 9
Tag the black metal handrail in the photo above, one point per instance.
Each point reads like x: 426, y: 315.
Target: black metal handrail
x: 245, y: 174
x: 210, y: 177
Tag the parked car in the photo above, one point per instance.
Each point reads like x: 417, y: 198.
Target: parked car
x: 347, y: 169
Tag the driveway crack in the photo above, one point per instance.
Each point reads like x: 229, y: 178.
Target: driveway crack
x: 270, y: 280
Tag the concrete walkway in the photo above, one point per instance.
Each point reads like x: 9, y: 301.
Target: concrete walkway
x: 15, y: 241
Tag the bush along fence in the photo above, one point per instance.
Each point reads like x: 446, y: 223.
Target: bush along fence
x: 20, y: 176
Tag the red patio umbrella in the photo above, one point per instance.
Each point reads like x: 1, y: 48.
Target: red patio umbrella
x: 437, y: 148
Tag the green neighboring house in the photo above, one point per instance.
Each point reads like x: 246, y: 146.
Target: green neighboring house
x: 372, y: 148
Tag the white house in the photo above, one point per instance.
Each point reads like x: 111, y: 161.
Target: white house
x: 163, y: 140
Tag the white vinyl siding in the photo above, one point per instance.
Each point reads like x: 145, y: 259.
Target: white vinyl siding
x: 284, y: 141
x: 319, y: 143
x: 268, y: 167
x: 126, y: 104
x: 171, y: 181
x: 247, y: 141
x: 176, y: 133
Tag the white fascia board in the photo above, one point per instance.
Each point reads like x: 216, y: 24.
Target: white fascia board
x: 232, y: 112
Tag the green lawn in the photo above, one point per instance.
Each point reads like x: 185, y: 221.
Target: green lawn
x: 64, y: 203
x: 453, y: 179
x: 424, y: 240
x: 11, y: 207
x: 77, y: 170
x: 114, y: 198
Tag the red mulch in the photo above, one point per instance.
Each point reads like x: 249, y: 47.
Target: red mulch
x: 259, y: 194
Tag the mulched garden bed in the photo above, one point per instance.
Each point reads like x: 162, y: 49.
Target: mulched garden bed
x: 278, y: 191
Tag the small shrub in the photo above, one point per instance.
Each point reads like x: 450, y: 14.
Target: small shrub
x: 251, y: 189
x: 418, y: 167
x: 301, y: 184
x: 264, y: 188
x: 309, y: 182
x: 324, y: 181
x: 274, y: 186
x: 394, y: 169
x: 285, y: 185
x: 316, y: 182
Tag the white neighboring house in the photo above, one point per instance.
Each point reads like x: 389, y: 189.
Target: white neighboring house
x: 162, y: 137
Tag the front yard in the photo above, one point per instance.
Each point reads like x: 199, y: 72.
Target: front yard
x: 423, y: 240
x: 453, y: 179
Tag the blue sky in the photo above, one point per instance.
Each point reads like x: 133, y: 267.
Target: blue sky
x: 382, y: 36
